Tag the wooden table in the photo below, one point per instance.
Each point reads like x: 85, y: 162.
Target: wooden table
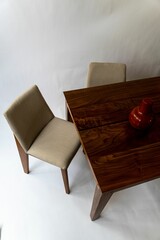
x: 119, y: 155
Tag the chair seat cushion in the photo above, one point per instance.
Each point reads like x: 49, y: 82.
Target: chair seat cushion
x: 57, y: 143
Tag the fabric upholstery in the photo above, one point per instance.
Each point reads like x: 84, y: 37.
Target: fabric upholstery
x: 39, y: 132
x: 57, y: 143
x: 28, y: 115
x: 100, y: 73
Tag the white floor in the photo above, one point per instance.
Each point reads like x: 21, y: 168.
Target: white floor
x: 35, y: 206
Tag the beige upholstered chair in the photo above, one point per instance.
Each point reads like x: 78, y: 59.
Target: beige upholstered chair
x: 40, y: 134
x: 100, y: 73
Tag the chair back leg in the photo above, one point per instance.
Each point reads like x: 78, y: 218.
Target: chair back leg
x: 23, y: 156
x: 65, y: 180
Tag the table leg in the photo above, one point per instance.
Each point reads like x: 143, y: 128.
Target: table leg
x: 99, y: 202
x: 68, y: 115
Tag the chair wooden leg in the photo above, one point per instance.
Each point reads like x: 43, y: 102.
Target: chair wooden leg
x: 65, y: 180
x: 23, y: 156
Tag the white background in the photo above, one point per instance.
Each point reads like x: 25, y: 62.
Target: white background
x: 50, y: 43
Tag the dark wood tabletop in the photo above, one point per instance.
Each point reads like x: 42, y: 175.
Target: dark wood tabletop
x: 119, y: 155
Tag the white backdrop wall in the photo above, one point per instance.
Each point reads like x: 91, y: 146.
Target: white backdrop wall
x: 51, y: 42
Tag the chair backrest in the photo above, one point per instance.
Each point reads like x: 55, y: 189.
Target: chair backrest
x: 100, y: 73
x: 28, y: 115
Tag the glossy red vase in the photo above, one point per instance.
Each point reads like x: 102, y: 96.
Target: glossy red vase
x: 141, y: 117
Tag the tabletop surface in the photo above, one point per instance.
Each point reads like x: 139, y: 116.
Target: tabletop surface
x: 119, y: 155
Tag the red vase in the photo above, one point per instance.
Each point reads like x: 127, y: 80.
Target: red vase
x: 141, y: 117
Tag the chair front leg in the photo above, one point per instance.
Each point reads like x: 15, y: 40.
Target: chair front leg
x: 23, y: 156
x: 65, y: 180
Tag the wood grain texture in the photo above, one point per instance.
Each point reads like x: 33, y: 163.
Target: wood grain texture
x: 119, y: 155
